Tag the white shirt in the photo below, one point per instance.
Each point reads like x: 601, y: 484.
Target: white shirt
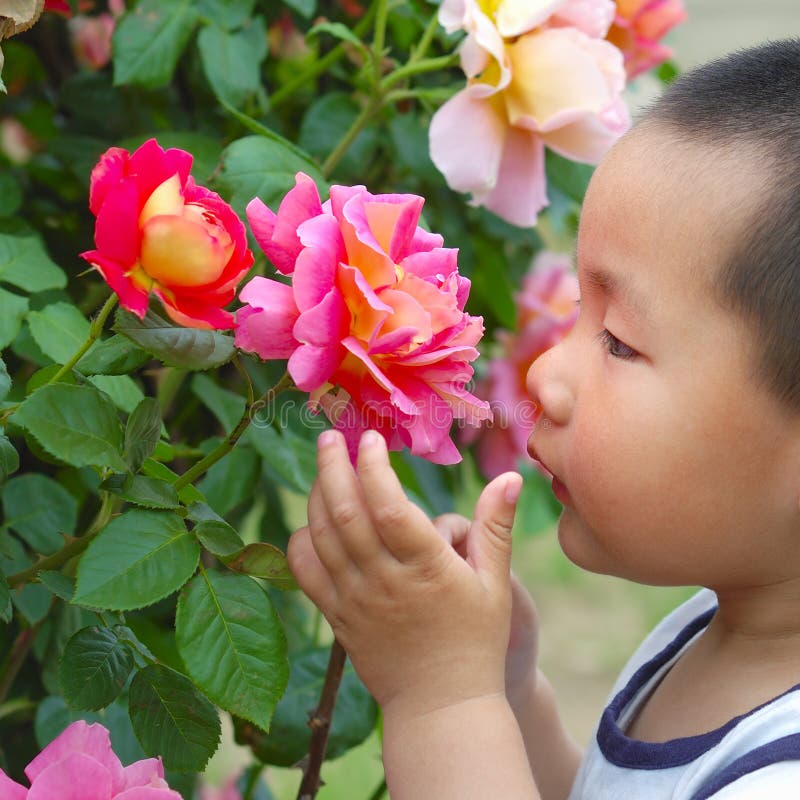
x: 753, y: 757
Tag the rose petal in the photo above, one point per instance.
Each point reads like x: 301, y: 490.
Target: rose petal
x: 141, y: 773
x: 192, y: 313
x: 107, y: 173
x: 11, y: 790
x: 149, y: 793
x: 132, y: 297
x: 116, y: 231
x: 152, y: 165
x: 76, y: 776
x: 467, y: 135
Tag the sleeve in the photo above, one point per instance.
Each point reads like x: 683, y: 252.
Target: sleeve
x: 775, y: 782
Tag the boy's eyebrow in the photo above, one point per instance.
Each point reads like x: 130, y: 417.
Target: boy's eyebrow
x: 618, y: 287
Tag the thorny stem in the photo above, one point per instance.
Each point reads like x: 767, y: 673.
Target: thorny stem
x: 95, y: 329
x: 349, y: 137
x: 16, y: 656
x: 228, y: 443
x: 320, y: 723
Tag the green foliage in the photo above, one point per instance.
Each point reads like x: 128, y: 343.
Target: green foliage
x: 172, y: 719
x: 233, y: 644
x: 138, y: 558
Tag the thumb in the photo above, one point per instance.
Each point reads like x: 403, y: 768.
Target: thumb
x: 489, y: 542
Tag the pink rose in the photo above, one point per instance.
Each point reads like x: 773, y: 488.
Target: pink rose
x: 638, y: 27
x: 546, y: 311
x: 540, y: 75
x: 375, y: 307
x: 157, y: 231
x: 91, y: 36
x: 79, y: 764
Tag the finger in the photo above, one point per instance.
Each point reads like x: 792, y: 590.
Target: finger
x: 324, y: 536
x: 309, y: 571
x: 489, y: 540
x: 404, y: 528
x: 453, y: 528
x: 343, y: 504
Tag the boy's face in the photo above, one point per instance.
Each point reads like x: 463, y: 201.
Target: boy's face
x: 673, y: 465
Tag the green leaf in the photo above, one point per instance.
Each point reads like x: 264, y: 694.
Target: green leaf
x: 39, y: 509
x: 568, y: 176
x: 13, y: 309
x: 228, y: 14
x: 338, y: 31
x: 189, y: 494
x: 10, y: 195
x: 117, y: 355
x: 233, y: 644
x: 138, y: 558
x: 24, y: 261
x: 53, y: 716
x: 142, y: 432
x: 257, y: 166
x: 263, y: 560
x: 5, y: 380
x: 188, y: 348
x: 291, y: 457
x: 231, y: 60
x: 143, y: 491
x: 149, y: 39
x: 9, y: 458
x: 226, y: 406
x: 303, y: 7
x: 33, y: 600
x: 58, y: 583
x: 232, y: 480
x: 45, y: 375
x: 172, y: 719
x: 76, y: 424
x: 93, y: 668
x: 6, y: 609
x: 354, y: 717
x: 121, y: 390
x: 59, y: 329
x: 218, y: 537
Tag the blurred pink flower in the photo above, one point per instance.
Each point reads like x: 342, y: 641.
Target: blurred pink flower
x: 227, y: 791
x: 158, y: 231
x: 91, y: 36
x: 79, y: 764
x: 375, y: 307
x: 546, y: 311
x: 540, y: 74
x: 638, y: 27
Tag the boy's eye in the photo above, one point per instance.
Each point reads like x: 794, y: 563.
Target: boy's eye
x: 616, y: 347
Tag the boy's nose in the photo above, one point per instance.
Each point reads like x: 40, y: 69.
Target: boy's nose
x: 548, y: 388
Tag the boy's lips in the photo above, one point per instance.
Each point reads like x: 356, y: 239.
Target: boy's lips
x: 559, y: 489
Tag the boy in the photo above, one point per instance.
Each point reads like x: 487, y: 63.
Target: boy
x: 670, y: 421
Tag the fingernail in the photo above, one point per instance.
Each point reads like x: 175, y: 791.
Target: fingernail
x: 370, y: 439
x: 513, y: 489
x: 326, y: 439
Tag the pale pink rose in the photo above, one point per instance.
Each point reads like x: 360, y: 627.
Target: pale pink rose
x: 540, y: 75
x: 639, y: 26
x: 546, y: 311
x: 16, y: 142
x: 375, y: 307
x: 79, y: 764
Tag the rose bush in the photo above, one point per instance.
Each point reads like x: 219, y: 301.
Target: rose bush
x: 152, y: 460
x: 375, y: 307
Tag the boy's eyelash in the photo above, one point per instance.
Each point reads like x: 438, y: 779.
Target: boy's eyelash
x: 615, y: 347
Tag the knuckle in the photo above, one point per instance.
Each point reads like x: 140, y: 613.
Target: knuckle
x: 390, y: 515
x: 345, y: 514
x: 498, y: 533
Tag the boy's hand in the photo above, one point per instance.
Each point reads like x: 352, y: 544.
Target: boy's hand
x: 522, y: 652
x: 424, y: 627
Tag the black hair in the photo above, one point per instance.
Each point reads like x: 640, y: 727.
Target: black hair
x: 751, y: 98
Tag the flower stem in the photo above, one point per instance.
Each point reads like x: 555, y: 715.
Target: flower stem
x: 95, y: 329
x: 252, y: 780
x: 359, y: 123
x: 320, y: 723
x: 379, y: 37
x: 319, y: 66
x: 16, y: 656
x: 228, y: 443
x: 71, y: 549
x: 417, y: 68
x: 425, y: 41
